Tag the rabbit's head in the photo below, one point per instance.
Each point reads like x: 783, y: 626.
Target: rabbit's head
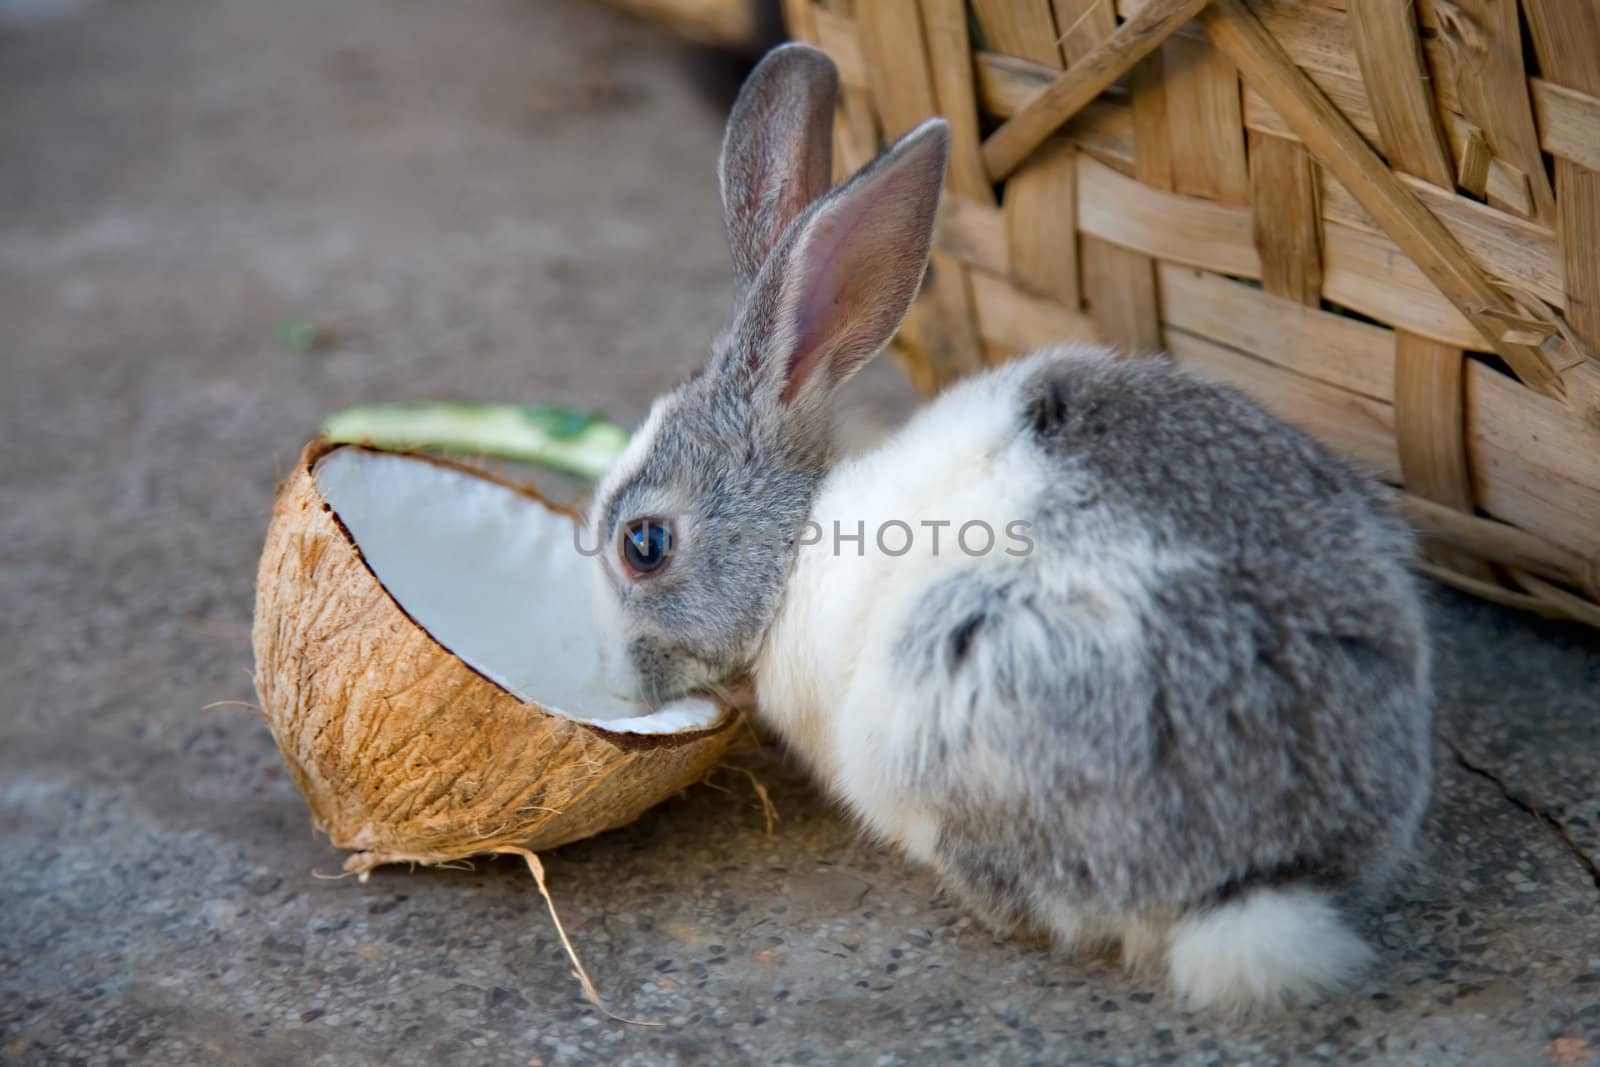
x: 700, y: 519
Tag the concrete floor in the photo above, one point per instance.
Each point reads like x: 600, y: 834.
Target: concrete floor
x: 513, y: 198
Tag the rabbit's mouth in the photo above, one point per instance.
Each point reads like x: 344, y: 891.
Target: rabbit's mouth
x: 738, y: 693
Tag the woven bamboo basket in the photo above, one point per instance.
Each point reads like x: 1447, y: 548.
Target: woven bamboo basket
x: 1379, y: 217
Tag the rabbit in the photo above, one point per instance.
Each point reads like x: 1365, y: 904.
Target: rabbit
x: 1177, y: 699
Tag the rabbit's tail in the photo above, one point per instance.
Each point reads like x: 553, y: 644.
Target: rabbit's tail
x: 1263, y: 948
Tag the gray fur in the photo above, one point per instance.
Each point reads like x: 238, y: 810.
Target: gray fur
x: 1273, y: 724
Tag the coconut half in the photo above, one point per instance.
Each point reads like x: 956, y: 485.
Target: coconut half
x: 425, y: 660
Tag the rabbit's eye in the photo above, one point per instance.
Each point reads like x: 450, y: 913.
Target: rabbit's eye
x: 646, y: 545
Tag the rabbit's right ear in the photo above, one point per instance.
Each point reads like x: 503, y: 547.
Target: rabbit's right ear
x: 777, y: 154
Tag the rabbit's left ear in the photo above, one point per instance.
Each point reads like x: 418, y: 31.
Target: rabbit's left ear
x: 777, y: 154
x: 840, y: 283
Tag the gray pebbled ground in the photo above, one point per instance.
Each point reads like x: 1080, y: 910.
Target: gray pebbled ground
x: 513, y: 198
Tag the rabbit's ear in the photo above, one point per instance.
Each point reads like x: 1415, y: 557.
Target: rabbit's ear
x: 777, y: 155
x: 840, y: 284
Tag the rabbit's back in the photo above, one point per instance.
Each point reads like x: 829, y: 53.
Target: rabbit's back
x: 1208, y: 670
x: 1211, y: 672
x: 1197, y: 465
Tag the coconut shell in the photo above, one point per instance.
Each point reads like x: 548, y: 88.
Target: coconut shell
x: 402, y: 751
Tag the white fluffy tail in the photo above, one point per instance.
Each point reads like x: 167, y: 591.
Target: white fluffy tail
x: 1266, y: 947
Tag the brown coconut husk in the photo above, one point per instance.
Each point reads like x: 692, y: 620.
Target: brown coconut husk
x: 403, y: 752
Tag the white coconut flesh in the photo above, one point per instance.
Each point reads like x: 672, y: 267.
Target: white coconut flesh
x: 494, y: 577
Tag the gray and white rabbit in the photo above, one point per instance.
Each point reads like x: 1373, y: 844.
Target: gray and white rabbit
x: 1180, y: 701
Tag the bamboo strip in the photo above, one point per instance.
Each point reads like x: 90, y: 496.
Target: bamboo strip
x: 1131, y: 317
x: 1428, y: 397
x: 1041, y: 216
x: 1497, y: 594
x: 1062, y: 98
x: 1366, y: 272
x: 839, y: 37
x: 1152, y: 140
x: 1318, y: 39
x: 893, y: 43
x: 1578, y: 194
x: 1041, y: 196
x: 1346, y: 353
x: 1502, y: 543
x: 1537, y: 499
x: 1347, y: 94
x: 1565, y: 34
x: 1472, y: 162
x: 1103, y: 128
x: 1569, y: 122
x: 1430, y: 433
x: 1532, y: 459
x: 1536, y: 461
x: 1286, y: 223
x: 949, y: 54
x: 1502, y: 244
x: 1204, y: 122
x: 1022, y: 28
x: 1508, y: 479
x: 1202, y: 233
x: 943, y: 330
x: 1572, y: 607
x: 856, y: 134
x: 1122, y: 296
x: 1390, y: 59
x: 897, y: 64
x: 974, y: 234
x: 1083, y: 24
x: 1547, y: 434
x: 1484, y: 41
x: 1020, y: 322
x: 1508, y: 187
x: 1338, y: 146
x: 800, y: 16
x: 1320, y: 42
x: 1005, y: 83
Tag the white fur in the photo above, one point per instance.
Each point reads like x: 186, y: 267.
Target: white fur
x: 827, y: 673
x: 1269, y: 946
x: 824, y: 673
x: 616, y: 672
x: 631, y: 462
